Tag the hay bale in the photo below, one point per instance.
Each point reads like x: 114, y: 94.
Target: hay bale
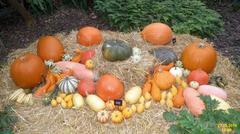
x: 45, y: 119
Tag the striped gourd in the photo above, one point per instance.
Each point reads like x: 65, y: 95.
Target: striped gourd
x: 68, y: 84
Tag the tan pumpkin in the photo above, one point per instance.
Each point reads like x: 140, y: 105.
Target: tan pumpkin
x: 110, y: 105
x: 199, y: 55
x: 50, y: 48
x: 157, y: 34
x: 89, y: 36
x: 164, y: 79
x: 27, y: 70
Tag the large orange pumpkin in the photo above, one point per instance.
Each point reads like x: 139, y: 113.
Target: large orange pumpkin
x: 27, y: 70
x: 49, y: 47
x: 199, y: 55
x: 89, y: 36
x: 163, y: 79
x: 109, y: 87
x: 157, y: 34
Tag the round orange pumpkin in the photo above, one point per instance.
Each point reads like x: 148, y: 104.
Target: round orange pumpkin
x: 199, y: 76
x: 27, y: 70
x: 89, y: 36
x: 157, y: 34
x: 199, y: 55
x: 163, y: 79
x: 49, y: 47
x: 109, y: 87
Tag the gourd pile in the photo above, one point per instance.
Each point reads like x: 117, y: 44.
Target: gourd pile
x: 67, y: 80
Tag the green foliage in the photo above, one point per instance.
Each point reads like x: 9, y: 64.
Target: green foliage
x: 81, y: 4
x: 7, y: 120
x: 210, y: 122
x: 41, y: 6
x: 188, y: 16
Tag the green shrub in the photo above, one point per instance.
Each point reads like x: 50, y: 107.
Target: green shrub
x: 81, y: 4
x: 41, y: 6
x: 184, y: 16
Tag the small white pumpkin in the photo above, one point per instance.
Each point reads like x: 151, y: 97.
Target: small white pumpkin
x: 176, y: 71
x: 186, y: 72
x: 78, y: 101
x: 68, y: 84
x: 136, y: 51
x: 102, y: 116
x: 194, y: 84
x: 136, y: 58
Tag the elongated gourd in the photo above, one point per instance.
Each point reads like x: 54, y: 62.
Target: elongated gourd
x: 155, y: 92
x: 133, y: 95
x: 95, y: 103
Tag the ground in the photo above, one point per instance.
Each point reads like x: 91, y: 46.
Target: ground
x: 15, y: 34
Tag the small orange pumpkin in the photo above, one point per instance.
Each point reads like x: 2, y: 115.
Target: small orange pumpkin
x: 110, y: 105
x: 50, y: 48
x: 199, y: 55
x: 89, y: 36
x: 157, y: 33
x: 109, y: 87
x: 127, y: 112
x: 27, y: 70
x: 164, y: 79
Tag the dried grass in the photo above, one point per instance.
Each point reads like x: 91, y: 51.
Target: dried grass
x: 45, y: 119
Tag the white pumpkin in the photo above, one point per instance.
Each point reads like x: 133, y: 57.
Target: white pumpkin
x: 78, y: 101
x: 136, y: 58
x: 102, y: 116
x: 68, y: 84
x: 194, y: 84
x: 136, y: 51
x: 176, y: 71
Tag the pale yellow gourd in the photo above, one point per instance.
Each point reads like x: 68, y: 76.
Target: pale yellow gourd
x: 95, y: 103
x: 163, y: 98
x: 132, y: 95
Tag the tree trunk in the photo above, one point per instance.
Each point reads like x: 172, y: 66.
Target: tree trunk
x: 22, y: 10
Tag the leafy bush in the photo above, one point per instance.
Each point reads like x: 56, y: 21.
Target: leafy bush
x: 82, y: 4
x: 188, y: 16
x: 210, y: 122
x: 7, y: 120
x: 41, y: 6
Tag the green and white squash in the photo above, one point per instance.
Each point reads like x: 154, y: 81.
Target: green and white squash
x: 114, y: 50
x: 68, y: 84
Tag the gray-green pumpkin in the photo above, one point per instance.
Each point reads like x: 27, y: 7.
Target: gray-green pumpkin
x: 116, y: 50
x: 164, y: 55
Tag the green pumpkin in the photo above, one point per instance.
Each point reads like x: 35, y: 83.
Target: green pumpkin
x: 116, y: 50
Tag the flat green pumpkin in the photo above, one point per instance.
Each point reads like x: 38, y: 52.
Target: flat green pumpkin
x: 116, y: 50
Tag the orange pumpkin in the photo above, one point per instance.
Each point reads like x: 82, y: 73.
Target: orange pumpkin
x: 199, y: 76
x: 49, y: 47
x: 164, y: 79
x: 157, y: 34
x: 27, y: 70
x: 109, y: 87
x: 199, y: 55
x: 89, y: 36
